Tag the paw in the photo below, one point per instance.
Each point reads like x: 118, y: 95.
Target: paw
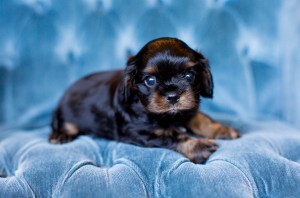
x: 225, y: 132
x: 60, y: 138
x: 198, y: 150
x: 202, y: 150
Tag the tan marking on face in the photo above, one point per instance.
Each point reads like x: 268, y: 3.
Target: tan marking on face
x: 187, y: 100
x: 159, y: 104
x: 151, y: 70
x: 190, y: 64
x: 71, y: 129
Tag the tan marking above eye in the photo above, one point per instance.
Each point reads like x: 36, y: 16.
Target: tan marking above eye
x: 151, y: 69
x: 190, y: 64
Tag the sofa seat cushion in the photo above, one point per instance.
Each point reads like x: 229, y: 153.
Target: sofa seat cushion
x: 265, y: 162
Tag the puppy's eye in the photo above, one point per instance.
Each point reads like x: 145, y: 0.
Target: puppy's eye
x: 190, y: 77
x: 150, y: 81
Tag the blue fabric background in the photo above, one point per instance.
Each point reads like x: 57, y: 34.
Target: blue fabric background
x: 253, y: 47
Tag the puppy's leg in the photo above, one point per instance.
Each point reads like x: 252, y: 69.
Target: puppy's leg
x: 203, y: 125
x: 63, y: 132
x: 195, y: 149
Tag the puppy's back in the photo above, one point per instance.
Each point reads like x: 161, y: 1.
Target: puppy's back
x: 88, y: 104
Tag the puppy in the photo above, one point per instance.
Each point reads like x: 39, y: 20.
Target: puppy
x: 153, y: 103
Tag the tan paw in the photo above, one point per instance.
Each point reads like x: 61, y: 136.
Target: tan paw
x: 197, y: 150
x: 60, y: 138
x: 225, y: 132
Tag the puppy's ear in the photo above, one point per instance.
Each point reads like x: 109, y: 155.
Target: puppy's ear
x: 129, y: 74
x: 206, y: 79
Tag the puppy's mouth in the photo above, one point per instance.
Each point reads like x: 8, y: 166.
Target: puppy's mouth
x: 160, y: 104
x: 173, y: 110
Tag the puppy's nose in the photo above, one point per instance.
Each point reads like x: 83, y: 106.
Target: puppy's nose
x: 173, y: 98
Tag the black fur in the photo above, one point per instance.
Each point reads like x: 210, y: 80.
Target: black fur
x: 117, y: 104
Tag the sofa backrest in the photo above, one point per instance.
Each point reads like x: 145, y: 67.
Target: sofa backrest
x: 47, y: 44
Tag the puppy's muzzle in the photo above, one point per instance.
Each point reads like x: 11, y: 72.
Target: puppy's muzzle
x: 172, y: 97
x: 173, y: 94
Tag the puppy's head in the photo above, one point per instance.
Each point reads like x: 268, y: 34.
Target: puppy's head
x: 168, y: 76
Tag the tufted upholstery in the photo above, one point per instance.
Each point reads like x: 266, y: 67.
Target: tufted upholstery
x: 258, y: 165
x: 253, y: 47
x: 47, y: 44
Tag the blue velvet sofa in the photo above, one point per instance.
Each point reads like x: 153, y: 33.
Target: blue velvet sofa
x: 253, y: 47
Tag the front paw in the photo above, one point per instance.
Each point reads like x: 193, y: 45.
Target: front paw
x: 225, y: 132
x: 197, y: 150
x: 60, y: 138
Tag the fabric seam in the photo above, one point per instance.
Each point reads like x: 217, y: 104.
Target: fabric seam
x: 252, y: 185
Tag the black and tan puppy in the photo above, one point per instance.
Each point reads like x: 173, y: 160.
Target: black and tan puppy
x: 152, y: 103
